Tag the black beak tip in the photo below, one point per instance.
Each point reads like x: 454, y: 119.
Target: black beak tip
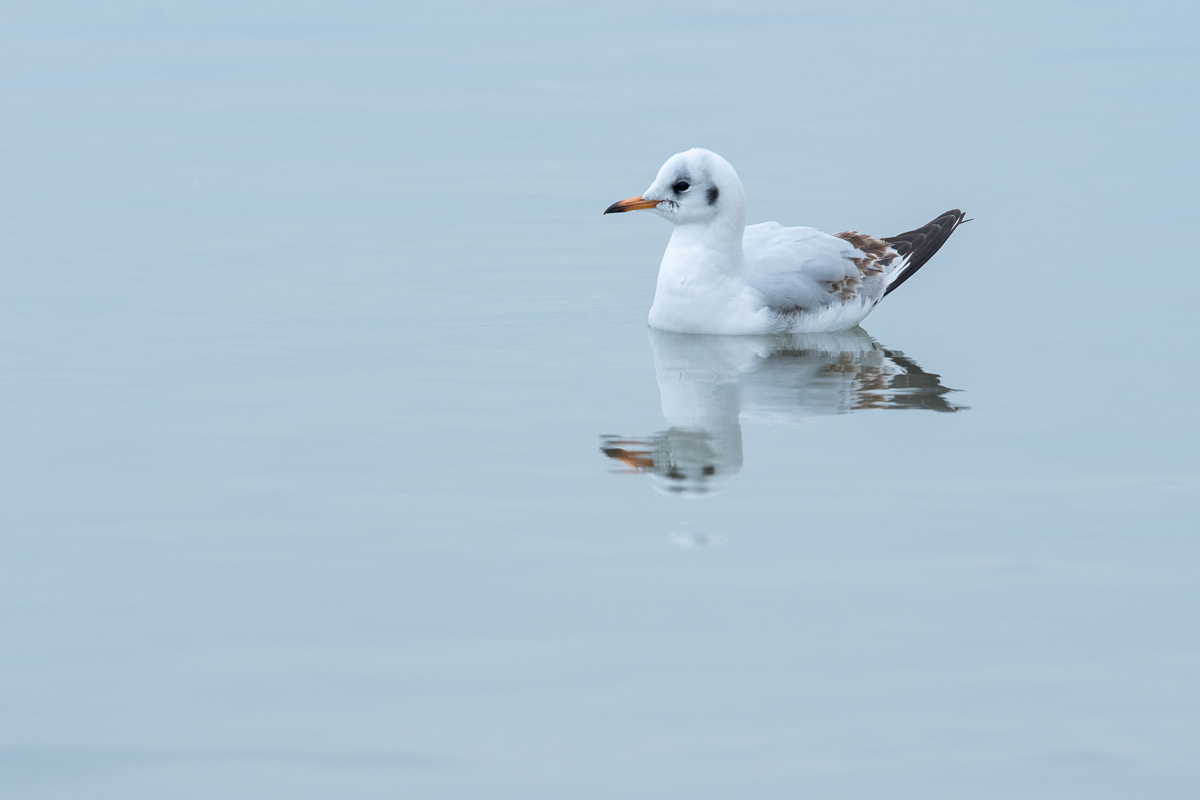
x: 615, y: 208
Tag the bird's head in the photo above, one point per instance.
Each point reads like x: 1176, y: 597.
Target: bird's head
x: 695, y: 186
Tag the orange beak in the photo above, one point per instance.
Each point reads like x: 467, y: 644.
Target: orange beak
x: 632, y: 204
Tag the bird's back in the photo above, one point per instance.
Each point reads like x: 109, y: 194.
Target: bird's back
x: 800, y: 270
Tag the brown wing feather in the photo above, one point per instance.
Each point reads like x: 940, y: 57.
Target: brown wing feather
x: 877, y: 256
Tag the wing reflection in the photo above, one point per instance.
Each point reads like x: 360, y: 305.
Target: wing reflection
x: 710, y: 384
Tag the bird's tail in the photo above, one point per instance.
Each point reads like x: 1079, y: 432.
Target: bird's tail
x: 917, y: 247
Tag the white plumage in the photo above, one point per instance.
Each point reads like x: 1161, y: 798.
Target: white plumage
x: 719, y: 276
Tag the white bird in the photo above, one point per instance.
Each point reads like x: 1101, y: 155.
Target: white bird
x: 720, y: 276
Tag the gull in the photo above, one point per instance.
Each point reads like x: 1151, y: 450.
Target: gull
x: 721, y: 276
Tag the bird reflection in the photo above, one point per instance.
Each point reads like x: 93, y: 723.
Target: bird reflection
x: 710, y: 384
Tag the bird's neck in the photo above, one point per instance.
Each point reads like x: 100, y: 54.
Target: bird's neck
x: 709, y: 249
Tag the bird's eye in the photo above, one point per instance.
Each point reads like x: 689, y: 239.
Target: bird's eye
x: 681, y: 186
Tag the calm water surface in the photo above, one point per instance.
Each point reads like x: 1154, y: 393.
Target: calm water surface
x: 338, y: 460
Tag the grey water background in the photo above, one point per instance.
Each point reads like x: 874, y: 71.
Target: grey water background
x: 310, y: 328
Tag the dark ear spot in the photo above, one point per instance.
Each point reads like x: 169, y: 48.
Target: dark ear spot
x: 713, y: 194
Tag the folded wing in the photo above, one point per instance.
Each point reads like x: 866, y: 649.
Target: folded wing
x: 803, y: 269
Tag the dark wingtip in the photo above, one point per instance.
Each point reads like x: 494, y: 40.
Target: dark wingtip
x: 921, y: 244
